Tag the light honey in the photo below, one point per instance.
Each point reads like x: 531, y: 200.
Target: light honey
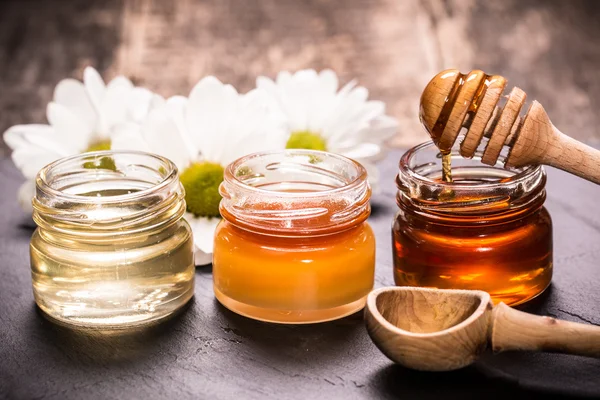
x: 112, y: 249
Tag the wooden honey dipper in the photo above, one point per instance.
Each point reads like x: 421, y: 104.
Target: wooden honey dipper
x: 453, y: 101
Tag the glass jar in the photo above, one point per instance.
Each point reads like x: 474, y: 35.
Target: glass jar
x: 487, y: 230
x: 294, y: 245
x: 111, y: 249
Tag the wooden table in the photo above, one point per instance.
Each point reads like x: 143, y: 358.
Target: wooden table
x: 209, y: 352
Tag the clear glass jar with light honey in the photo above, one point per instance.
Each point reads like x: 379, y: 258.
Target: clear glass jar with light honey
x: 486, y: 230
x: 294, y: 245
x: 112, y: 249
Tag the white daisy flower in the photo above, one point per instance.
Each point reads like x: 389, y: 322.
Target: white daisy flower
x: 322, y: 118
x: 201, y: 135
x: 82, y: 117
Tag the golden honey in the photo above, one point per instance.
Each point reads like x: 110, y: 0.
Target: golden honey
x: 294, y: 245
x: 487, y: 230
x: 111, y: 249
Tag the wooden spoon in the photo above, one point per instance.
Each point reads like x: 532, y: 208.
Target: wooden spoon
x: 443, y: 330
x: 453, y: 101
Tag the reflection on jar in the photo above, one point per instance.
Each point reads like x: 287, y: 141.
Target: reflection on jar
x: 294, y: 245
x: 111, y: 249
x: 488, y: 230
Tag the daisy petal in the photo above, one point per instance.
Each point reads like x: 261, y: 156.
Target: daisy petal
x: 283, y: 77
x: 373, y: 109
x: 257, y: 127
x: 24, y: 135
x: 211, y: 108
x: 254, y: 142
x: 347, y: 88
x: 94, y: 85
x: 204, y: 231
x: 176, y: 107
x: 163, y: 137
x: 35, y: 136
x: 201, y: 258
x: 72, y: 94
x: 120, y: 81
x: 129, y: 137
x: 362, y: 151
x: 359, y: 94
x: 69, y: 128
x: 267, y: 84
x: 114, y: 105
x: 29, y: 160
x: 158, y: 101
x: 139, y: 102
x: 26, y: 194
x: 383, y: 127
x: 328, y: 80
x: 305, y: 75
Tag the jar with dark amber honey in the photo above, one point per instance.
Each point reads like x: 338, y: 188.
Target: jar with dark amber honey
x: 486, y: 230
x: 294, y: 245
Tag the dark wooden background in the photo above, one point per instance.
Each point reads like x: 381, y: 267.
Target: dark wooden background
x: 551, y: 49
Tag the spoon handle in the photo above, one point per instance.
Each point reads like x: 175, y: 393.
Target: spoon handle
x: 517, y: 330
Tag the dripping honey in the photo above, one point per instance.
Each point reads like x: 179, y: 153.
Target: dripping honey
x: 447, y: 166
x: 440, y: 125
x: 497, y: 238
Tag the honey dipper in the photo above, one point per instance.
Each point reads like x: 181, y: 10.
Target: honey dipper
x: 445, y: 329
x: 453, y: 101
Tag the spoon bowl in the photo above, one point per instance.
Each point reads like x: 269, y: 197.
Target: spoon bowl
x: 442, y: 330
x: 429, y: 329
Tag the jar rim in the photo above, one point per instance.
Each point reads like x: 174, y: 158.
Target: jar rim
x: 42, y: 183
x: 305, y: 195
x: 231, y: 176
x: 482, y: 191
x: 404, y: 167
x: 141, y: 193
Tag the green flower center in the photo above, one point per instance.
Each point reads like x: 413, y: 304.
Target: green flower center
x: 101, y: 163
x: 201, y: 182
x: 306, y: 140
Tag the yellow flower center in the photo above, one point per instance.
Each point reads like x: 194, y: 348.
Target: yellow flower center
x: 102, y: 163
x: 99, y: 146
x: 306, y: 140
x: 201, y: 183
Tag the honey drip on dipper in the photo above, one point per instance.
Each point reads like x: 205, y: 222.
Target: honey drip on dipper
x: 453, y: 101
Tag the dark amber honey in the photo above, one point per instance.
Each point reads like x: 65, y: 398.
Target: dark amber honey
x: 497, y: 238
x: 511, y: 260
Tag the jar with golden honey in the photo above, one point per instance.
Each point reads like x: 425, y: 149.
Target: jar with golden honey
x: 112, y: 249
x: 486, y: 230
x: 294, y: 245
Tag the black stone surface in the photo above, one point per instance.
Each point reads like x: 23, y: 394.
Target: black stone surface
x: 208, y: 352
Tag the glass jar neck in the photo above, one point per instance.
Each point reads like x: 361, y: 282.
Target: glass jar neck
x: 295, y: 193
x: 478, y: 192
x: 108, y: 194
